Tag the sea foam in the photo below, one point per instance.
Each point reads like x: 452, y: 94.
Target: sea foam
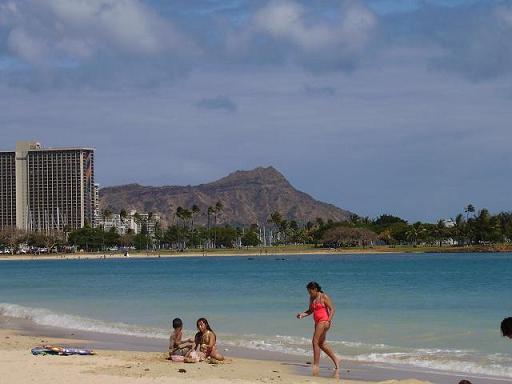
x: 464, y: 361
x: 46, y: 317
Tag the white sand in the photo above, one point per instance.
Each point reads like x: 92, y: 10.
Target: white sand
x: 19, y: 366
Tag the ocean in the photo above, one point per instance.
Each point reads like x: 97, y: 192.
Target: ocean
x: 435, y: 311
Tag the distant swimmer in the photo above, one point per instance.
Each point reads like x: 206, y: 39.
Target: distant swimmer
x: 506, y: 327
x: 323, y: 311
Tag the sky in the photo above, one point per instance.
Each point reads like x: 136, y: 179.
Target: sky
x: 380, y: 106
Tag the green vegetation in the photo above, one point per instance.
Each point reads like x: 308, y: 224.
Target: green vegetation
x: 470, y: 230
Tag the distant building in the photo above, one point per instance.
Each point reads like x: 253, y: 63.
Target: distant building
x: 449, y: 223
x: 146, y: 219
x: 47, y: 188
x: 7, y: 189
x: 133, y: 222
x: 121, y: 225
x: 96, y: 213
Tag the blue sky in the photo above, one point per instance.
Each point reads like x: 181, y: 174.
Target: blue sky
x: 377, y: 106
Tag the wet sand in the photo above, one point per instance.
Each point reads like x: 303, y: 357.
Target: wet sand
x: 147, y: 362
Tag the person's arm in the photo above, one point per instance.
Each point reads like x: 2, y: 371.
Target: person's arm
x: 178, y: 342
x: 307, y: 312
x: 186, y: 343
x: 331, y: 309
x: 211, y: 341
x: 172, y: 343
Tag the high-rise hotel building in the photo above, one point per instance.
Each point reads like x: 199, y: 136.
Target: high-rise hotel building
x: 47, y: 188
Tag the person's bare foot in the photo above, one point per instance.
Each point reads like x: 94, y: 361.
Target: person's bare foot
x: 337, y: 373
x: 337, y: 369
x: 316, y: 370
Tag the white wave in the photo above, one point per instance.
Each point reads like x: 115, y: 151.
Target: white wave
x: 452, y: 361
x: 464, y: 361
x: 269, y: 344
x: 303, y: 341
x: 46, y: 317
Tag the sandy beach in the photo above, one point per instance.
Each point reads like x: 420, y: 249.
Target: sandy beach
x: 254, y: 252
x: 85, y: 256
x: 217, y: 253
x: 18, y: 365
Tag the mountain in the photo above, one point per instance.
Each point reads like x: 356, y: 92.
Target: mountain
x: 247, y: 196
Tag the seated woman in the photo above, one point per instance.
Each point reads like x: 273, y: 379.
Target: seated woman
x: 205, y: 341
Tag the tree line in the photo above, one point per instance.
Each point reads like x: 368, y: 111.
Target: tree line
x: 470, y: 227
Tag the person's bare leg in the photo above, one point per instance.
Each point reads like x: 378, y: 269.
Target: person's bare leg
x: 316, y: 349
x: 216, y: 355
x: 329, y: 352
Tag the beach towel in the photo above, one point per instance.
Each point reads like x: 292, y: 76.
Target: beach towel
x: 59, y: 350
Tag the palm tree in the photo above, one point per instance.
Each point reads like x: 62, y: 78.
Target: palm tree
x: 137, y: 218
x: 460, y: 229
x: 276, y: 219
x: 195, y: 211
x: 217, y: 211
x: 283, y: 230
x: 469, y: 209
x: 179, y: 213
x: 157, y: 233
x: 440, y: 231
x: 123, y: 215
x: 105, y: 215
x: 211, y: 211
x: 412, y: 235
x: 187, y: 218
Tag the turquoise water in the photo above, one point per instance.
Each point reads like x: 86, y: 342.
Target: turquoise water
x: 435, y: 311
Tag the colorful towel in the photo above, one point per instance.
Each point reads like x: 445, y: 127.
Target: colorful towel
x: 61, y: 351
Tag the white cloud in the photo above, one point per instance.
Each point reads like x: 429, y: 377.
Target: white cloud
x: 504, y: 14
x: 284, y: 31
x: 285, y: 19
x: 40, y: 30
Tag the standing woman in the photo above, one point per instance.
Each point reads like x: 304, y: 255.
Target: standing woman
x: 320, y: 305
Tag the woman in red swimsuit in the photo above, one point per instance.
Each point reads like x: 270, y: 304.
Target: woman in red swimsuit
x: 323, y: 311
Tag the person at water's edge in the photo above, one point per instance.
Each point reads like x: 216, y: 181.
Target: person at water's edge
x: 320, y: 305
x: 506, y: 327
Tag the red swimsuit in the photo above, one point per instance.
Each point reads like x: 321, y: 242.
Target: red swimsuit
x: 319, y: 311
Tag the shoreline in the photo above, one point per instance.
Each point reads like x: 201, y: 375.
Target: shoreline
x: 248, y: 364
x: 18, y: 365
x: 260, y: 252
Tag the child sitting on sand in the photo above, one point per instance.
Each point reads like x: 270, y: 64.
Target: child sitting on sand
x: 177, y: 346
